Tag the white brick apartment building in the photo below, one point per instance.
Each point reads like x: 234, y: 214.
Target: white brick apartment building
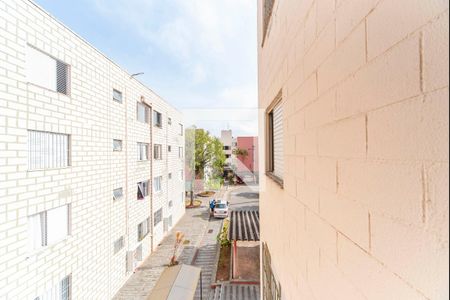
x: 91, y: 163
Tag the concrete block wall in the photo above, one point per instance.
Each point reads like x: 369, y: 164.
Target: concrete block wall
x: 363, y: 213
x: 92, y: 119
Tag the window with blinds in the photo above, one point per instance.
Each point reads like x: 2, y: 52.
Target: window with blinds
x: 48, y: 150
x: 46, y: 71
x: 275, y: 140
x: 48, y: 227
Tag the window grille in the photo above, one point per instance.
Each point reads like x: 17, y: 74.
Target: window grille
x: 47, y: 150
x: 62, y: 77
x: 275, y: 140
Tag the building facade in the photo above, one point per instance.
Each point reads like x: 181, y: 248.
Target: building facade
x: 91, y: 163
x: 249, y: 162
x: 354, y: 122
x: 226, y: 137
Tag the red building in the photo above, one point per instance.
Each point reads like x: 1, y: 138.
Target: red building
x: 249, y: 162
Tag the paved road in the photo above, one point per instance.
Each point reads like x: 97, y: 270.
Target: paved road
x: 244, y: 197
x: 194, y: 225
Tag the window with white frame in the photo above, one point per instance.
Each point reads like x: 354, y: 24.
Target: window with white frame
x: 118, y: 244
x: 117, y: 145
x: 48, y: 227
x: 158, y: 215
x: 142, y: 189
x: 61, y: 291
x: 275, y: 140
x: 157, y: 151
x: 142, y: 230
x: 143, y: 112
x: 180, y: 152
x: 117, y: 96
x: 157, y: 184
x: 142, y: 151
x: 181, y: 129
x: 48, y: 150
x: 157, y: 119
x: 118, y: 193
x: 45, y: 71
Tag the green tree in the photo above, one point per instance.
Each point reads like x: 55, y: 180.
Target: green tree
x: 208, y: 154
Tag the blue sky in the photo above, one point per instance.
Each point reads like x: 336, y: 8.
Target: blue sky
x: 196, y: 54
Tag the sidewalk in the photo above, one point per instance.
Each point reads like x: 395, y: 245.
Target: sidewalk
x: 194, y: 225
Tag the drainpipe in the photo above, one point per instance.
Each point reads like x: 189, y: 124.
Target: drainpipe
x: 152, y: 226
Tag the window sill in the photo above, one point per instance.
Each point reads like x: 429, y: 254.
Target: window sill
x: 49, y: 169
x: 38, y: 251
x: 276, y: 179
x: 47, y: 89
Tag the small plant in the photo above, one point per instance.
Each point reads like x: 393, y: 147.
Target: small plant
x: 222, y: 237
x: 179, y: 237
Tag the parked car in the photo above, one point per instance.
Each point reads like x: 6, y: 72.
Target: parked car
x: 221, y: 209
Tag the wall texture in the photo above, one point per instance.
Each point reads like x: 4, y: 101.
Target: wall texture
x: 364, y: 209
x: 93, y: 120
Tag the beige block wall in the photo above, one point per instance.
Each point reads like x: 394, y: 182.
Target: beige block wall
x: 363, y: 213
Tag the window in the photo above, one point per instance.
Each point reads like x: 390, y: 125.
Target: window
x: 157, y: 184
x: 117, y: 96
x: 47, y: 150
x: 181, y: 175
x: 142, y: 189
x: 169, y: 148
x: 157, y: 151
x: 170, y: 175
x: 118, y: 194
x: 274, y: 147
x: 227, y: 155
x: 117, y: 145
x: 267, y: 10
x: 143, y: 230
x: 61, y: 291
x: 118, y: 244
x: 180, y: 152
x: 46, y: 71
x: 157, y: 118
x: 271, y: 288
x: 226, y: 147
x: 181, y: 129
x: 170, y: 203
x: 48, y: 227
x: 157, y: 217
x: 143, y: 112
x: 169, y: 121
x: 142, y: 153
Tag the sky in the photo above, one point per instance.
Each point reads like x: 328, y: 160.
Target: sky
x: 199, y: 55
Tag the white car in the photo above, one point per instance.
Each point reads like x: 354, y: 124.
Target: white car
x: 221, y: 209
